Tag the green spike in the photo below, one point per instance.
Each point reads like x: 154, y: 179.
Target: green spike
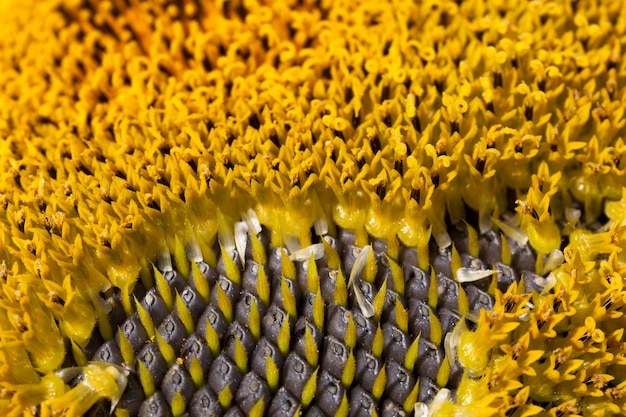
x: 164, y: 289
x: 145, y: 377
x: 318, y: 310
x: 473, y: 247
x: 258, y: 251
x: 341, y: 290
x: 225, y: 397
x: 104, y: 325
x: 378, y: 388
x: 258, y: 408
x: 350, y: 337
x: 312, y: 276
x: 463, y: 302
x: 344, y: 407
x: 208, y: 256
x: 178, y: 405
x: 232, y: 271
x: 402, y: 316
x: 196, y: 372
x: 146, y: 276
x: 349, y: 371
x: 433, y: 295
x: 241, y: 356
x: 263, y: 286
x: 284, y: 338
x: 436, y: 333
x: 444, y: 373
x: 145, y: 318
x: 125, y: 348
x: 224, y: 304
x: 411, y: 354
x: 332, y: 258
x: 201, y: 283
x: 378, y: 343
x: 289, y: 300
x: 411, y: 399
x: 370, y: 269
x: 254, y: 320
x: 308, y: 393
x: 397, y: 274
x: 184, y: 315
x: 310, y: 347
x: 180, y: 258
x: 126, y: 290
x: 379, y: 301
x: 79, y: 355
x: 166, y: 350
x: 456, y: 262
x: 212, y: 339
x: 272, y: 374
x: 289, y: 269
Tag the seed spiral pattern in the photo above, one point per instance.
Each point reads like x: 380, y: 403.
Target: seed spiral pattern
x: 476, y: 143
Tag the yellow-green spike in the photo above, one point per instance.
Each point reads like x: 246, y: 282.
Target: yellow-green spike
x: 379, y: 301
x: 350, y: 337
x: 332, y: 258
x: 79, y: 356
x: 225, y: 397
x: 224, y: 304
x: 444, y: 373
x: 289, y: 299
x: 104, y: 325
x: 258, y: 251
x: 196, y: 373
x: 145, y: 377
x: 212, y: 339
x: 146, y: 276
x: 201, y: 283
x: 312, y: 276
x: 145, y: 319
x: 378, y: 388
x: 308, y: 393
x: 463, y: 302
x: 284, y: 338
x: 289, y: 269
x: 318, y: 310
x: 341, y: 290
x: 310, y: 347
x: 125, y: 291
x: 258, y: 408
x: 178, y: 405
x: 121, y: 412
x: 411, y: 399
x: 436, y: 333
x: 472, y: 240
x: 370, y: 269
x: 506, y: 250
x: 411, y: 354
x: 493, y: 285
x: 272, y: 374
x: 378, y: 343
x: 126, y: 348
x: 456, y: 262
x: 184, y: 315
x: 344, y: 407
x: 164, y: 289
x: 433, y: 294
x: 254, y: 320
x: 180, y: 257
x: 241, y: 357
x: 232, y: 271
x: 349, y: 371
x: 402, y: 316
x: 208, y: 255
x: 397, y: 274
x: 166, y: 350
x: 263, y: 286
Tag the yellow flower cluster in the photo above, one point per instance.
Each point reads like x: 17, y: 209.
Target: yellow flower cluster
x: 131, y: 128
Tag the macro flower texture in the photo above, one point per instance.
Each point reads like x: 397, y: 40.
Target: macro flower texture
x: 312, y: 208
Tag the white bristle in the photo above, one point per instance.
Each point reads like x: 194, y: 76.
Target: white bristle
x: 194, y: 253
x: 359, y: 264
x: 555, y: 259
x: 304, y: 254
x: 164, y: 260
x: 367, y: 309
x: 251, y: 219
x: 471, y: 275
x: 515, y: 233
x: 241, y: 239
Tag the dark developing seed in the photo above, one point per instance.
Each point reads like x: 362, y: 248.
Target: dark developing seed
x: 155, y: 406
x: 177, y: 380
x: 196, y: 347
x: 193, y: 301
x: 396, y: 342
x: 134, y: 332
x: 224, y: 373
x: 173, y: 331
x: 400, y: 382
x: 154, y: 362
x: 205, y: 403
x: 367, y: 368
x: 362, y: 404
x: 273, y: 322
x: 329, y: 393
x: 252, y: 389
x: 300, y: 335
x: 284, y: 404
x: 133, y: 396
x: 214, y: 318
x: 265, y: 349
x: 295, y: 374
x: 334, y: 356
x: 109, y: 352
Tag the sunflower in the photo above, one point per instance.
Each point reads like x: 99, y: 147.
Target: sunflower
x: 306, y: 207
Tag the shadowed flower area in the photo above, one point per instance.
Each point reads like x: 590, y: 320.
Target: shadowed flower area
x: 312, y: 207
